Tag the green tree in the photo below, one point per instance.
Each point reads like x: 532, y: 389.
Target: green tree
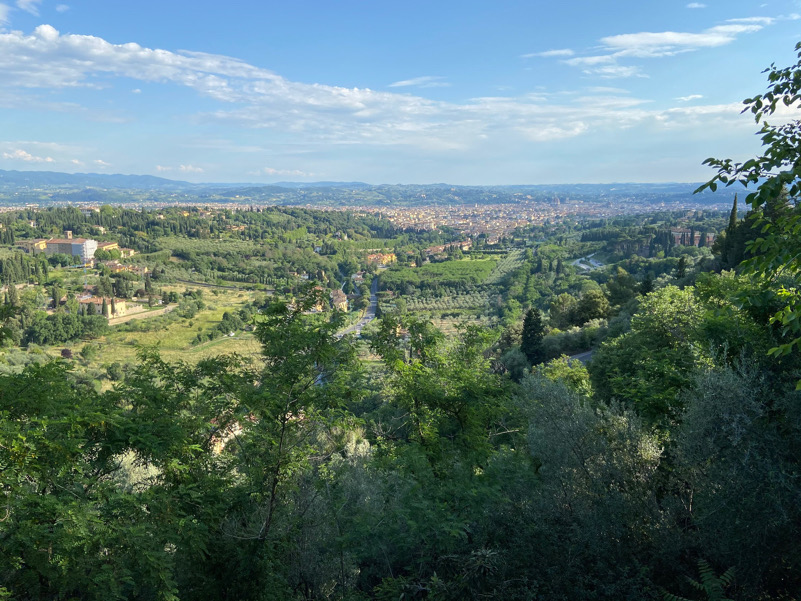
x: 68, y: 529
x: 13, y: 295
x: 593, y: 304
x: 725, y: 243
x: 647, y: 284
x: 562, y: 311
x: 56, y: 293
x: 532, y: 335
x: 777, y: 251
x: 681, y: 269
x: 647, y: 367
x: 621, y: 288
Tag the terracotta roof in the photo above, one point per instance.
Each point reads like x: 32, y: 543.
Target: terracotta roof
x: 67, y: 240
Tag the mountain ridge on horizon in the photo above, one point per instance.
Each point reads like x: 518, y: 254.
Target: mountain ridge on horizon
x: 10, y: 178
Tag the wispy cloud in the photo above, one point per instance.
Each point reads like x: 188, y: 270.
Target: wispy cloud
x: 29, y: 6
x: 588, y: 61
x: 696, y: 5
x: 550, y: 53
x: 605, y: 66
x: 649, y: 44
x: 4, y: 10
x: 283, y: 172
x: 255, y: 98
x: 181, y: 168
x: 618, y: 71
x: 758, y: 20
x: 62, y: 8
x: 689, y: 98
x: 669, y: 43
x: 426, y: 81
x: 23, y: 155
x: 101, y: 163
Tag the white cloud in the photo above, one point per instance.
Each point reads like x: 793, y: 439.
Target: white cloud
x: 664, y: 43
x: 616, y: 71
x: 315, y: 114
x: 23, y: 155
x: 291, y: 172
x: 668, y: 43
x: 76, y: 162
x: 101, y: 163
x: 548, y: 134
x: 689, y: 98
x: 190, y: 169
x: 62, y: 8
x: 136, y: 91
x: 4, y: 10
x: 648, y: 44
x: 426, y: 81
x: 607, y: 90
x: 30, y: 6
x: 161, y: 168
x: 696, y: 5
x: 759, y: 20
x: 590, y: 60
x: 550, y: 53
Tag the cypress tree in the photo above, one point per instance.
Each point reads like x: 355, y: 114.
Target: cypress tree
x: 727, y: 244
x: 113, y: 306
x: 647, y: 284
x: 732, y: 218
x: 104, y: 310
x: 13, y: 295
x: 681, y: 270
x: 532, y: 335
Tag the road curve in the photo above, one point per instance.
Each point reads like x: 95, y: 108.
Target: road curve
x: 369, y: 313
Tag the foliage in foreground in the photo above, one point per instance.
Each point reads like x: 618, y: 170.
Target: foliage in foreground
x: 303, y: 478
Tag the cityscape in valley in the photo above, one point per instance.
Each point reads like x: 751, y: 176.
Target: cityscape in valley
x: 238, y: 362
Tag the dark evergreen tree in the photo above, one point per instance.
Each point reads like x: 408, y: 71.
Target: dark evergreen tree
x: 681, y: 270
x: 532, y: 335
x: 647, y: 284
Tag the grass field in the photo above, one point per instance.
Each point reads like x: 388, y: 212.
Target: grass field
x: 175, y: 340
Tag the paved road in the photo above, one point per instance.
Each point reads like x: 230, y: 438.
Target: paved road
x: 583, y: 357
x: 369, y: 313
x: 587, y: 262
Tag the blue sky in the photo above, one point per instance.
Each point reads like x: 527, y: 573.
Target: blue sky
x: 467, y: 92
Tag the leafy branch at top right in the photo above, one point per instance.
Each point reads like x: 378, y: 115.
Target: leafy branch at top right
x: 775, y: 176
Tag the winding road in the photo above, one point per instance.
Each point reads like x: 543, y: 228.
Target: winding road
x: 369, y: 313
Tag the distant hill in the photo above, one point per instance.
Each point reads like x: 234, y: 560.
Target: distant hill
x: 42, y: 179
x: 45, y: 187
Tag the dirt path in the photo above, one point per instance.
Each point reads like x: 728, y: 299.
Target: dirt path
x: 114, y: 321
